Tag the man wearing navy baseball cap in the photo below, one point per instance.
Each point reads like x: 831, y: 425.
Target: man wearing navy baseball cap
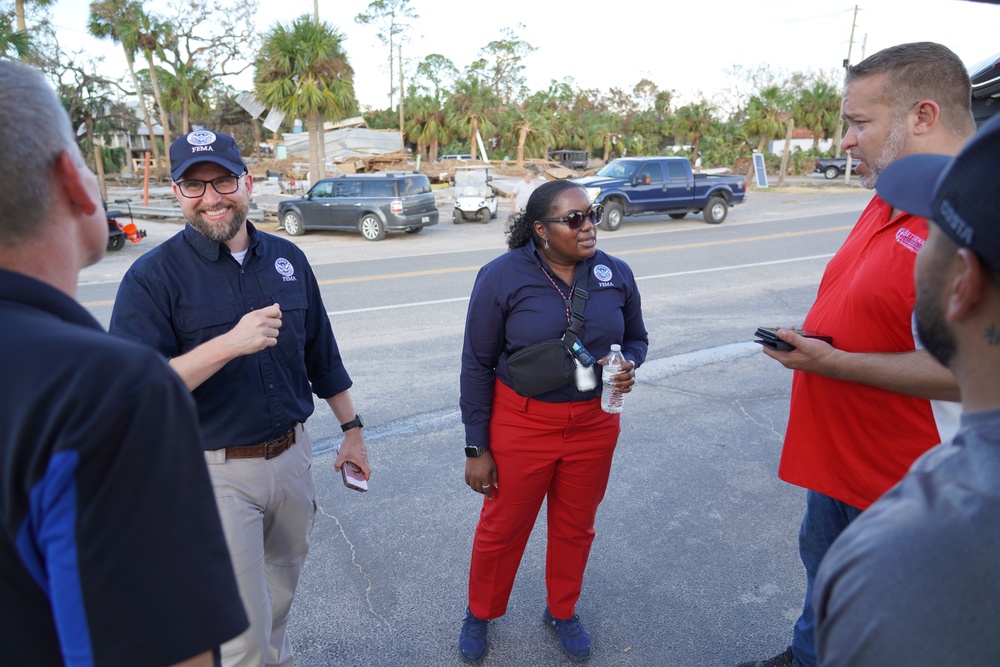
x: 205, y: 146
x: 240, y: 317
x: 914, y: 580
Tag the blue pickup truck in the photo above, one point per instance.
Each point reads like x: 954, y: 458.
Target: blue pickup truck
x: 633, y: 185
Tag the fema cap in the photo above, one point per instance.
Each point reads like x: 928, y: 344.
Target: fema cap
x: 960, y: 194
x: 205, y: 146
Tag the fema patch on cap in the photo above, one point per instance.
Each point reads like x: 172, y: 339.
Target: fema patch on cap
x: 201, y: 138
x: 285, y: 268
x: 602, y: 273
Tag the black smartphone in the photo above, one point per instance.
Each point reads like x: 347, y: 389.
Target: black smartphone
x: 768, y: 337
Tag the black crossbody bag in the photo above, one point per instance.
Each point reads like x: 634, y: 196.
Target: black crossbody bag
x: 548, y: 365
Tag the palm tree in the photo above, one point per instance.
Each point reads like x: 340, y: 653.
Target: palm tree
x: 694, y: 120
x: 427, y: 125
x: 18, y: 39
x: 602, y: 131
x: 723, y: 146
x: 763, y: 121
x: 555, y: 106
x: 303, y: 70
x: 118, y: 20
x: 527, y: 121
x: 469, y: 109
x: 12, y: 41
x: 183, y: 92
x: 818, y: 109
x: 150, y: 38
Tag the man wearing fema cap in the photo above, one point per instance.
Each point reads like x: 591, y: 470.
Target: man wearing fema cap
x: 914, y: 581
x: 239, y: 315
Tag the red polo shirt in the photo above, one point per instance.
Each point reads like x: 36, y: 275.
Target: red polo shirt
x: 847, y: 440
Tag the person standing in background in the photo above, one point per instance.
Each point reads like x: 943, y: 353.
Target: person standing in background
x: 521, y: 192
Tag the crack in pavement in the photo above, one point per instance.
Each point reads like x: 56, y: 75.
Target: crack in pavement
x: 355, y: 563
x: 769, y: 426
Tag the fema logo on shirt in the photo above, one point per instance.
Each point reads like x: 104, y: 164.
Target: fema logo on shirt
x: 603, y: 275
x: 201, y: 138
x: 285, y: 268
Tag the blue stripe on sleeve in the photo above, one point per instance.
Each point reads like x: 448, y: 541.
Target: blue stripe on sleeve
x: 47, y: 546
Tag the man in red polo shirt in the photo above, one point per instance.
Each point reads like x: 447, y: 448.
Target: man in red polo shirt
x: 864, y: 408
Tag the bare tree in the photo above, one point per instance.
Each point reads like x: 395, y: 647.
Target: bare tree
x: 205, y: 41
x: 501, y: 65
x: 391, y: 18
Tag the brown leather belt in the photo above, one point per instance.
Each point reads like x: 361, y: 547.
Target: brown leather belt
x: 265, y: 450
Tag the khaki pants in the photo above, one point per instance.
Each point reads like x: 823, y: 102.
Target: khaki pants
x: 267, y: 509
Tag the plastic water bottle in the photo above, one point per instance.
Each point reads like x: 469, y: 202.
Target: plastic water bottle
x: 612, y: 399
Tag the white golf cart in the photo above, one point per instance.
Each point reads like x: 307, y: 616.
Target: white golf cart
x: 475, y: 198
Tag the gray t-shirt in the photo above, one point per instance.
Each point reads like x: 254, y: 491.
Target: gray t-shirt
x: 915, y: 580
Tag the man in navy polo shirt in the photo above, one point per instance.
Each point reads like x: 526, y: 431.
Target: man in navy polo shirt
x: 111, y: 551
x: 239, y: 315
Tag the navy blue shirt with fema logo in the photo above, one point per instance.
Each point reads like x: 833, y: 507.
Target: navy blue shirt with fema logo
x: 514, y: 304
x: 190, y: 289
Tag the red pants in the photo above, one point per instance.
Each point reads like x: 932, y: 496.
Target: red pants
x: 564, y: 451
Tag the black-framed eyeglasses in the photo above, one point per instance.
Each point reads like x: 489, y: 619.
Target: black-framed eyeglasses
x: 224, y: 185
x: 575, y: 219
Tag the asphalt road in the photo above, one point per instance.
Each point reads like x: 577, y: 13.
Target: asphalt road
x: 695, y: 561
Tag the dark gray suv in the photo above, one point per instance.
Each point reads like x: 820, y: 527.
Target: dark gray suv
x: 372, y: 204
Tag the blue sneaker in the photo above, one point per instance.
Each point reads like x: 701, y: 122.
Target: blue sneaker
x: 573, y: 637
x: 472, y: 642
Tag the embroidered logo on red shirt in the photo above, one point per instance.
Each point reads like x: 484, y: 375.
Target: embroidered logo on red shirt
x: 909, y: 240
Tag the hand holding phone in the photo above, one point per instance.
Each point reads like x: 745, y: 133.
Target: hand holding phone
x: 353, y: 477
x: 768, y: 337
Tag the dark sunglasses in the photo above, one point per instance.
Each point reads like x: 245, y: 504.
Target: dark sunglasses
x: 575, y: 219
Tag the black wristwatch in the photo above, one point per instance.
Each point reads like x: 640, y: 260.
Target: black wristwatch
x: 475, y: 452
x: 354, y: 423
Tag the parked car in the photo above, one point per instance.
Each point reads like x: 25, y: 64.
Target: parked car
x: 454, y: 156
x: 474, y: 196
x: 632, y: 185
x: 832, y: 167
x: 570, y: 159
x: 985, y: 77
x: 372, y: 204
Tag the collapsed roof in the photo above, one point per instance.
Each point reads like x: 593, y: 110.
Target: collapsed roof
x: 347, y: 143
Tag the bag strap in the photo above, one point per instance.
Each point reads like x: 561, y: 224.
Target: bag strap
x: 580, y: 297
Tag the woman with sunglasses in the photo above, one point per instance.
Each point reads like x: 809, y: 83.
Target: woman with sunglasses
x: 558, y: 444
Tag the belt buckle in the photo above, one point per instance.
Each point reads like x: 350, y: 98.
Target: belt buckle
x: 277, y: 442
x: 267, y: 448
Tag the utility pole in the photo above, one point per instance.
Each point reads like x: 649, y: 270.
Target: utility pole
x: 401, y: 130
x: 839, y: 133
